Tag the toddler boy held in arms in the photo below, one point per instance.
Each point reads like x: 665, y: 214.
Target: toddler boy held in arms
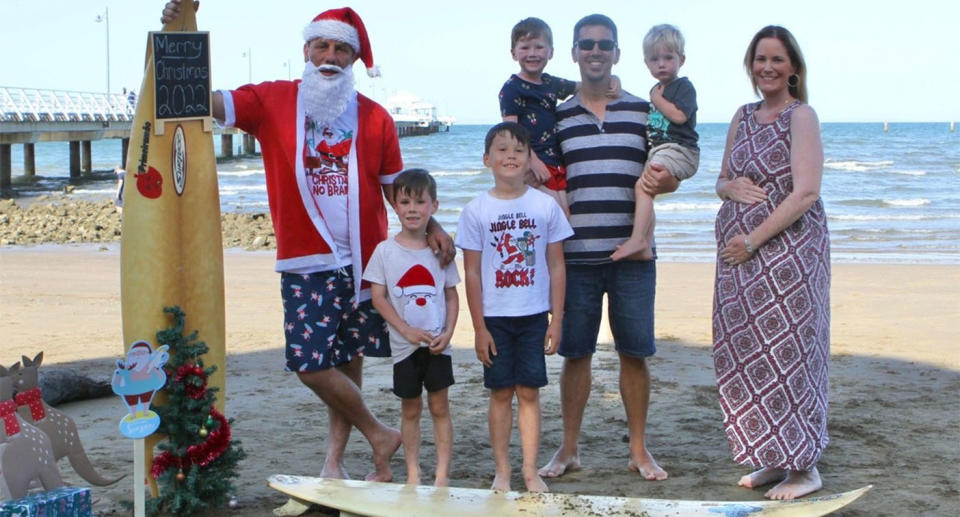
x: 512, y: 242
x: 418, y: 299
x: 670, y: 131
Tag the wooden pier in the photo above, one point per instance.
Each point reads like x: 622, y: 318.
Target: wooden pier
x: 28, y: 116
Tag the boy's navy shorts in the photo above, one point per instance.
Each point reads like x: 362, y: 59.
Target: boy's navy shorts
x: 519, y: 359
x: 422, y: 370
x: 323, y: 328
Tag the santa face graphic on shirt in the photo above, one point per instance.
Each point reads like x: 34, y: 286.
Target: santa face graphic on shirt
x: 420, y: 310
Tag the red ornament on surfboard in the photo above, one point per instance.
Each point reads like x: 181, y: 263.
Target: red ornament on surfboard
x: 150, y: 183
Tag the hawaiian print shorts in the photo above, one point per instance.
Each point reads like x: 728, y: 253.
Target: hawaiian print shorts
x: 323, y: 326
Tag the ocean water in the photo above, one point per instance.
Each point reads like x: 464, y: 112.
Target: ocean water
x: 890, y: 197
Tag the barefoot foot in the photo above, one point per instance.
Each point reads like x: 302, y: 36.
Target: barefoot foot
x: 761, y: 477
x: 559, y: 465
x: 334, y: 471
x: 535, y: 483
x: 633, y: 249
x: 384, y: 447
x: 798, y: 483
x: 647, y: 467
x: 501, y: 483
x: 441, y: 482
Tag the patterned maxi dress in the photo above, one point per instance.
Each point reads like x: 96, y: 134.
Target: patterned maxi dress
x: 771, y: 314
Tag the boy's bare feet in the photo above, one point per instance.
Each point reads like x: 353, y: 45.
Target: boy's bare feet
x: 441, y: 481
x: 384, y: 448
x: 560, y: 465
x: 637, y: 249
x: 534, y: 483
x: 647, y: 467
x: 761, y: 477
x: 798, y: 483
x: 413, y: 479
x: 334, y: 471
x: 501, y: 483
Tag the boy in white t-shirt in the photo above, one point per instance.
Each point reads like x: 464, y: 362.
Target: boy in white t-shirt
x: 512, y: 242
x: 418, y: 299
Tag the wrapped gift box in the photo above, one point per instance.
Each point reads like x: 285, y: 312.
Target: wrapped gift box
x: 62, y: 502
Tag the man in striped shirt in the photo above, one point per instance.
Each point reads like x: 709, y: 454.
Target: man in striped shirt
x: 603, y: 142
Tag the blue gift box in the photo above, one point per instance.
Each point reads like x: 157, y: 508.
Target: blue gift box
x: 62, y: 502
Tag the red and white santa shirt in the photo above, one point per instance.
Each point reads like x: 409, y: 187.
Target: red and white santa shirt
x: 415, y: 283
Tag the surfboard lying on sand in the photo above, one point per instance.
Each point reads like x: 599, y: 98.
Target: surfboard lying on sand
x: 171, y: 251
x: 372, y: 499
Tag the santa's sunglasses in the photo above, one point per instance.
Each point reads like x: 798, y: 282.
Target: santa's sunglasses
x: 587, y: 44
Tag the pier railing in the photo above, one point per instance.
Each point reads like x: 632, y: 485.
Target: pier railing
x: 34, y: 105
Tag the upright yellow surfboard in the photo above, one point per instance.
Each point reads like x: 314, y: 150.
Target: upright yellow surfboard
x: 171, y: 249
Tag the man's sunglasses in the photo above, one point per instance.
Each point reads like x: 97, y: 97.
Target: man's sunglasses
x: 605, y: 44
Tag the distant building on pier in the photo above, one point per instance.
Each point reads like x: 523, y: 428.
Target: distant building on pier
x: 412, y: 116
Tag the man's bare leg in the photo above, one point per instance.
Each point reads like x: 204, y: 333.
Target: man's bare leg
x: 528, y: 426
x: 442, y: 434
x: 340, y: 428
x: 635, y: 392
x: 343, y: 395
x: 337, y: 439
x: 575, y: 383
x: 797, y: 484
x: 500, y: 420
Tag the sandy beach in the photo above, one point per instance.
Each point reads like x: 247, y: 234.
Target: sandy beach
x: 894, y: 415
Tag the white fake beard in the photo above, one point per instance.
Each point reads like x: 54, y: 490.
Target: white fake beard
x: 325, y: 98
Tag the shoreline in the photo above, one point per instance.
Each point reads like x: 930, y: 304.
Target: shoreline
x: 64, y: 218
x: 895, y: 375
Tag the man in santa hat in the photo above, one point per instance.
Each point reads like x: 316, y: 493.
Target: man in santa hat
x: 330, y: 155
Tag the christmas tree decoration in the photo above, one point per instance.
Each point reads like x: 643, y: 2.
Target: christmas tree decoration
x: 198, y: 460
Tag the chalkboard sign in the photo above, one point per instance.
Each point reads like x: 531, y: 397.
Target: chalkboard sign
x: 181, y: 74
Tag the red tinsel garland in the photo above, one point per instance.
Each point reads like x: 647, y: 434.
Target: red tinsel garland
x: 210, y: 449
x: 195, y: 392
x: 201, y: 454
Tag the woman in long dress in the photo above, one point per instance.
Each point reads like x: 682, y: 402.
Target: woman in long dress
x: 771, y: 313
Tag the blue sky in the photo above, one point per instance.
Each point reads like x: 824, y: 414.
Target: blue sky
x: 868, y: 60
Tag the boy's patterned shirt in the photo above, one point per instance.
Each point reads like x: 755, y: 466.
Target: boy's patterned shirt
x: 535, y: 105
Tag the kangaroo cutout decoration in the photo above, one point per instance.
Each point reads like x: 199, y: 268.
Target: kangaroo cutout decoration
x: 57, y: 425
x: 25, y: 451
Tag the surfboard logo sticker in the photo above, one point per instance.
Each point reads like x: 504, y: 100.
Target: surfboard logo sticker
x: 179, y: 160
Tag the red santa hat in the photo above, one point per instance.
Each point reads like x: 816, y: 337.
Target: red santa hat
x: 343, y: 25
x: 417, y: 280
x: 139, y: 345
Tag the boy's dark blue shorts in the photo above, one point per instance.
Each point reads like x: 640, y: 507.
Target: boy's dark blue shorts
x: 323, y: 329
x: 422, y: 370
x: 519, y: 359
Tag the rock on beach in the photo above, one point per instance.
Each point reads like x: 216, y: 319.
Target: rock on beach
x: 52, y: 219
